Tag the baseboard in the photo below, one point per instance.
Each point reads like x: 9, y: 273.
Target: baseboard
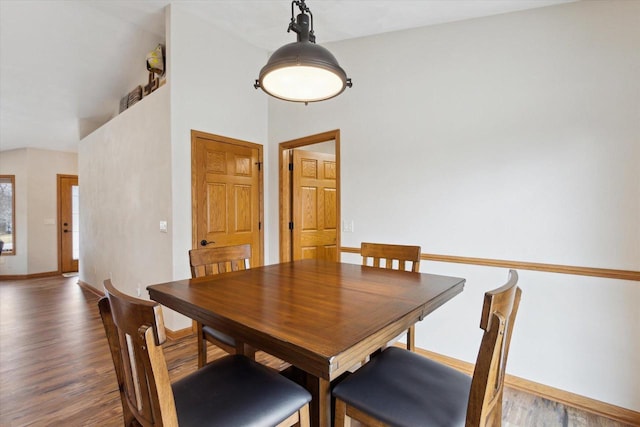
x: 180, y: 333
x: 29, y: 276
x: 172, y: 335
x: 573, y: 400
x: 88, y: 287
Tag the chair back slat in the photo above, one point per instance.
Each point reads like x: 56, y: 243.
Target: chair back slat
x: 383, y: 256
x: 498, y: 317
x: 135, y: 332
x: 210, y: 261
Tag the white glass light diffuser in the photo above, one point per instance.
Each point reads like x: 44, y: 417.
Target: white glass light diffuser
x: 301, y: 83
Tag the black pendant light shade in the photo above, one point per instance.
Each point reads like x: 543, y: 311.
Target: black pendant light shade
x: 302, y: 71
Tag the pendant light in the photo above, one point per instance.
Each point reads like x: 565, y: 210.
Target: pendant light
x: 302, y: 71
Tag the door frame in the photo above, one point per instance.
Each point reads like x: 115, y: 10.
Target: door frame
x: 194, y: 202
x: 286, y: 197
x: 59, y: 178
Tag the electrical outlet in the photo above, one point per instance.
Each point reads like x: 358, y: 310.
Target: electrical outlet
x: 347, y: 226
x: 163, y: 226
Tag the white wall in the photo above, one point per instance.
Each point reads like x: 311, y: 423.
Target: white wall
x: 211, y: 76
x: 510, y: 137
x: 125, y: 181
x: 136, y: 169
x: 515, y: 137
x: 36, y: 207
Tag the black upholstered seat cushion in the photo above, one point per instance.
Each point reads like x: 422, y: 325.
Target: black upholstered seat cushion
x: 402, y: 388
x: 236, y: 391
x: 220, y: 336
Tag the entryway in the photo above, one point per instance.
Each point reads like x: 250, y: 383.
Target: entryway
x: 68, y: 223
x: 310, y: 197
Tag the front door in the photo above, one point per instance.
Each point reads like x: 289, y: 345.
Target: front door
x: 227, y: 193
x: 68, y: 223
x: 314, y: 205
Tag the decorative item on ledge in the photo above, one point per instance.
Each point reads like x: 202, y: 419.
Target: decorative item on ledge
x: 131, y: 98
x: 156, y: 63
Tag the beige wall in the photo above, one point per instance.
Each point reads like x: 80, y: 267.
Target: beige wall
x: 36, y: 207
x: 125, y: 182
x: 512, y: 137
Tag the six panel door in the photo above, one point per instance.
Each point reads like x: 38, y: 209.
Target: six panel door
x: 227, y: 195
x: 314, y: 206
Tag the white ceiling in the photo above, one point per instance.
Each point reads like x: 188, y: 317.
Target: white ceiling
x: 63, y: 63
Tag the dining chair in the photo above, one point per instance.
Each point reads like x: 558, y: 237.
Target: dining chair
x: 231, y: 391
x: 207, y: 262
x: 383, y: 256
x: 379, y: 253
x: 402, y: 388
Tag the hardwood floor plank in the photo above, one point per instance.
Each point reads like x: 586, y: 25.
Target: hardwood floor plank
x: 55, y: 365
x: 56, y: 369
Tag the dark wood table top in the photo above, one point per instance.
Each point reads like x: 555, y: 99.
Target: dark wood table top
x: 319, y: 316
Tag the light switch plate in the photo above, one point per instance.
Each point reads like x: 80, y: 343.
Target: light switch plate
x: 163, y: 226
x: 347, y: 226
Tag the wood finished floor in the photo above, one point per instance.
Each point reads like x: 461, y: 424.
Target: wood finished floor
x: 55, y: 366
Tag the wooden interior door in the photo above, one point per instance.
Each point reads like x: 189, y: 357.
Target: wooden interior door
x: 227, y: 193
x: 314, y: 205
x: 68, y: 223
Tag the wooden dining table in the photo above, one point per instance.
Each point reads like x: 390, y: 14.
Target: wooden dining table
x: 321, y: 317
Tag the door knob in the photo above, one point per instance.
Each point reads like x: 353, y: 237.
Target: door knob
x: 203, y: 242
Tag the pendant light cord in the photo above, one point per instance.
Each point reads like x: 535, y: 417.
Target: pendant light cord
x: 293, y: 24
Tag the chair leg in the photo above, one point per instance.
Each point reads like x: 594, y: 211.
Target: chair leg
x: 305, y: 420
x: 245, y: 349
x: 341, y: 418
x: 202, y: 346
x: 299, y: 418
x: 129, y: 418
x: 411, y: 338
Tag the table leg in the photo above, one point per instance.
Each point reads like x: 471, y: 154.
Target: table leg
x: 246, y: 350
x: 320, y: 406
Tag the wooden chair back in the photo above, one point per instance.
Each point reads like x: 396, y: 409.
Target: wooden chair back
x: 382, y: 256
x: 209, y: 261
x: 498, y: 317
x: 403, y: 254
x: 135, y: 331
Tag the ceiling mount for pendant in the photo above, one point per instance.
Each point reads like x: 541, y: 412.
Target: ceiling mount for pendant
x: 302, y: 71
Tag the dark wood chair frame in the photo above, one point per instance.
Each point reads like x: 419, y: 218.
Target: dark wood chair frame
x: 484, y: 407
x: 135, y: 332
x: 210, y: 261
x: 383, y: 256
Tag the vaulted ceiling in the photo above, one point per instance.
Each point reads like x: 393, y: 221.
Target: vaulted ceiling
x: 63, y: 63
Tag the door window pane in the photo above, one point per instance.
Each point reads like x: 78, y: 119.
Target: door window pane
x: 75, y: 222
x: 7, y: 214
